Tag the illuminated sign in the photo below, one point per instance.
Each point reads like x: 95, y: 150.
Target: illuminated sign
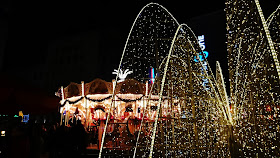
x: 202, y: 46
x: 25, y: 118
x: 201, y: 43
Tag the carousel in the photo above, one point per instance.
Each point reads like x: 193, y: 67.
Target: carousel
x: 90, y: 103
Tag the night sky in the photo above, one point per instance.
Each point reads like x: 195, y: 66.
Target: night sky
x: 29, y: 27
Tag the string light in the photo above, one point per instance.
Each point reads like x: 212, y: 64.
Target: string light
x: 254, y: 78
x: 200, y: 121
x: 178, y: 115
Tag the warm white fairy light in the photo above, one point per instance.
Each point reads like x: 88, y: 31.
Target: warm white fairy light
x: 131, y: 51
x: 222, y: 90
x: 254, y: 78
x: 268, y: 37
x: 129, y: 46
x: 149, y: 54
x: 178, y: 114
x: 161, y: 91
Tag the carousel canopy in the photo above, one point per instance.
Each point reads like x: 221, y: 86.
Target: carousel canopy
x: 99, y: 90
x: 99, y: 86
x: 130, y: 86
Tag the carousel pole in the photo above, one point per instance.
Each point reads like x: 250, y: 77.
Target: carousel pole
x: 114, y: 99
x: 85, y: 102
x: 61, y: 111
x: 66, y: 115
x: 145, y: 99
x: 147, y: 87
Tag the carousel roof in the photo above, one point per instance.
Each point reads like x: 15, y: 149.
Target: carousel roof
x: 99, y: 86
x: 130, y: 86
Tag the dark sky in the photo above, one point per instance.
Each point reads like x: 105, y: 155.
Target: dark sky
x: 32, y: 25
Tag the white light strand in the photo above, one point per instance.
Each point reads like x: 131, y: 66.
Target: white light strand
x: 161, y: 91
x: 267, y: 33
x: 121, y: 61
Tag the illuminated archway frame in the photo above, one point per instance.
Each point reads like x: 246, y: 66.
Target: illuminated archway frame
x: 250, y: 45
x: 223, y: 108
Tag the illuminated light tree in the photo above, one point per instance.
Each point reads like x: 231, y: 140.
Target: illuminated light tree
x: 254, y: 78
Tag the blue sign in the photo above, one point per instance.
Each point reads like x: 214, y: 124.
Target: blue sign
x: 201, y: 56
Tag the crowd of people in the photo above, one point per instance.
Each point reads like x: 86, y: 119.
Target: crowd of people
x: 41, y: 140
